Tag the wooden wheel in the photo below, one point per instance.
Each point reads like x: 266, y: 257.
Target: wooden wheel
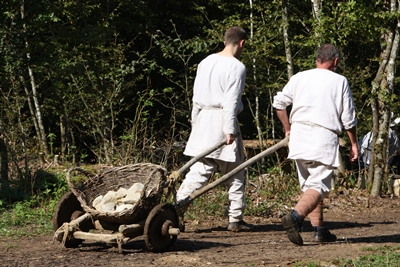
x: 68, y: 208
x: 161, y: 219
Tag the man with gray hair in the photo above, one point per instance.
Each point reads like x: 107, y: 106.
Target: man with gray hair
x: 322, y: 105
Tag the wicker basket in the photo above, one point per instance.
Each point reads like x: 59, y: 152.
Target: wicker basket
x: 150, y: 175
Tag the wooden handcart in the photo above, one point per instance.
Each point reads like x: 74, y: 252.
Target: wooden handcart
x: 75, y: 219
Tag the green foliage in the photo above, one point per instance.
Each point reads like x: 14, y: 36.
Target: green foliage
x: 308, y: 264
x: 94, y: 69
x: 210, y: 204
x: 266, y: 195
x: 380, y: 257
x: 27, y: 185
x: 273, y: 190
x: 33, y: 215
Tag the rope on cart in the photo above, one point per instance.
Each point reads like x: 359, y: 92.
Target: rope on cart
x: 120, y: 241
x: 68, y: 230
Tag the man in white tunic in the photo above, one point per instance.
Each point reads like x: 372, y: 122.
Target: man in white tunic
x: 322, y: 105
x: 394, y: 146
x: 217, y: 93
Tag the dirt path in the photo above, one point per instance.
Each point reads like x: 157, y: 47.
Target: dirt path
x: 207, y: 243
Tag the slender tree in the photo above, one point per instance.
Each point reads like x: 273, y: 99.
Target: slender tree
x: 286, y: 39
x: 3, y: 161
x: 382, y: 89
x: 33, y: 94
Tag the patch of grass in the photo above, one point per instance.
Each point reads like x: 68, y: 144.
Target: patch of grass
x: 265, y: 195
x: 212, y: 203
x: 269, y: 191
x: 381, y: 257
x: 33, y: 215
x: 22, y: 220
x: 8, y: 245
x: 309, y: 264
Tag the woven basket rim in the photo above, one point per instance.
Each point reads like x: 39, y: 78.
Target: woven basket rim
x: 117, y: 215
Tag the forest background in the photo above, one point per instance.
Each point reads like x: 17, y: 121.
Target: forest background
x: 110, y: 82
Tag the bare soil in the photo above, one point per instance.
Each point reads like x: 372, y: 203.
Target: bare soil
x: 359, y: 223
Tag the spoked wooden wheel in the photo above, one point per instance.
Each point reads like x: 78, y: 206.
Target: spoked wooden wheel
x: 68, y: 209
x: 161, y: 228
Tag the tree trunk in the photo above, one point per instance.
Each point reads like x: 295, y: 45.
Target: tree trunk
x: 317, y: 10
x: 72, y: 149
x: 63, y: 136
x: 37, y: 114
x: 388, y: 39
x: 257, y: 103
x: 31, y: 109
x: 386, y: 88
x: 4, y: 162
x: 374, y: 132
x: 288, y: 50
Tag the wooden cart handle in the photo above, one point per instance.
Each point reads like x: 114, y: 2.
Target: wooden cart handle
x: 176, y: 174
x: 225, y: 177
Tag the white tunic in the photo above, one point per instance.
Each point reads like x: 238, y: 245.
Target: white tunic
x: 217, y: 93
x: 365, y: 145
x: 322, y: 106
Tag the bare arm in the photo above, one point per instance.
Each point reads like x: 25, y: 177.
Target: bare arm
x: 352, y: 133
x: 283, y: 117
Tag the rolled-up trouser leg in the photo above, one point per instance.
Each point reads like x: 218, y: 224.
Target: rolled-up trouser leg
x: 315, y: 181
x: 314, y: 175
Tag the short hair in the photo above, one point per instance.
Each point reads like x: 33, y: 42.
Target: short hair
x: 327, y: 52
x: 234, y: 35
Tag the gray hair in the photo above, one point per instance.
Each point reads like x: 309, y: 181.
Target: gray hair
x: 327, y: 52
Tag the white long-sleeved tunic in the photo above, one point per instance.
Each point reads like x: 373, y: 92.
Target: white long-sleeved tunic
x: 365, y: 146
x: 217, y: 93
x: 322, y: 106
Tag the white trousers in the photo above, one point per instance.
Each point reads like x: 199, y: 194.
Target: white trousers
x: 200, y: 173
x: 314, y: 175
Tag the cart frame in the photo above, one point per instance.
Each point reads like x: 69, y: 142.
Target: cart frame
x: 73, y: 218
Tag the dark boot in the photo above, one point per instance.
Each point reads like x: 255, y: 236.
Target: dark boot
x: 293, y: 225
x: 240, y: 226
x: 322, y: 235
